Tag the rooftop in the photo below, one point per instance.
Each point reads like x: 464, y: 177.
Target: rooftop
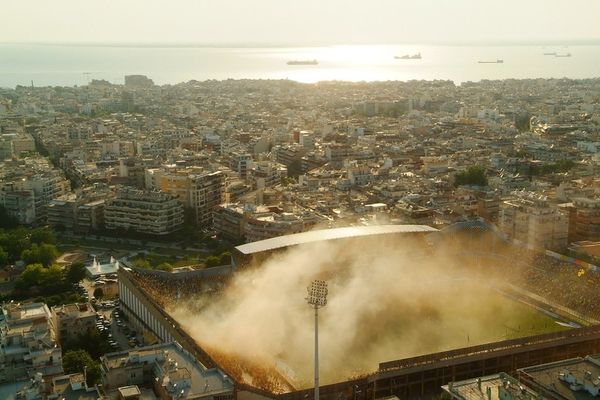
x: 176, y: 364
x: 330, y: 234
x: 489, y: 388
x: 572, y: 379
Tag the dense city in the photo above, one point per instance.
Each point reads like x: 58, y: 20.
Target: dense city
x: 118, y: 201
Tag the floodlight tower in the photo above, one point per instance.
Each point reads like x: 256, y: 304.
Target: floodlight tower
x: 317, y: 297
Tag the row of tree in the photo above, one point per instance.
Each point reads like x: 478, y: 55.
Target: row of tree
x: 49, y: 281
x: 35, y: 244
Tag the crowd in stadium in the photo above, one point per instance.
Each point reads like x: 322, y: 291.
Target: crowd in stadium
x: 165, y: 291
x: 558, y: 281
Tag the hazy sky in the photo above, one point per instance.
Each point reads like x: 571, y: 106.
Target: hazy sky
x: 297, y: 21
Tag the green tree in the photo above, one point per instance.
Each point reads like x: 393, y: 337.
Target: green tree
x: 225, y: 258
x: 94, y: 342
x: 3, y: 257
x: 52, y: 278
x: 43, y: 253
x: 141, y: 263
x: 49, y: 279
x: 14, y: 242
x: 42, y: 235
x: 75, y: 273
x: 212, y: 261
x: 474, y: 175
x: 77, y: 360
x: 33, y: 274
x: 165, y: 267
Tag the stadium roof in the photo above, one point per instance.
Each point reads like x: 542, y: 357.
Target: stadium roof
x: 329, y: 234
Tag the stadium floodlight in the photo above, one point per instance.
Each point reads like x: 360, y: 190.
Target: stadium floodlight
x: 317, y: 297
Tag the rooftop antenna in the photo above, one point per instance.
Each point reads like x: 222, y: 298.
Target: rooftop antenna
x: 317, y: 297
x: 87, y: 75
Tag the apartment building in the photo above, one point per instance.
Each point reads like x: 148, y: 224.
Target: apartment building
x: 27, y: 199
x: 143, y: 211
x: 28, y: 342
x: 80, y: 212
x: 267, y: 173
x: 531, y: 219
x: 23, y: 143
x: 587, y: 218
x: 73, y: 320
x: 251, y: 223
x: 268, y: 225
x: 19, y: 204
x: 170, y: 370
x: 198, y: 189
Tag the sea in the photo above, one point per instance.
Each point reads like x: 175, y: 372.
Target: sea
x: 68, y: 64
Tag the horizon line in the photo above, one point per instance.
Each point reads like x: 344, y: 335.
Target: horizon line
x: 260, y: 44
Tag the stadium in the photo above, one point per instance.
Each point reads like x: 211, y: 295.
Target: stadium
x: 441, y: 305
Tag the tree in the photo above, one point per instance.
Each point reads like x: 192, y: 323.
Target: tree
x: 77, y: 360
x: 33, y: 274
x: 3, y: 257
x: 43, y: 253
x: 94, y: 342
x: 49, y: 279
x: 6, y: 220
x: 212, y: 261
x: 52, y: 278
x: 14, y: 242
x: 165, y: 267
x: 225, y: 258
x: 75, y: 273
x: 42, y: 235
x: 98, y: 293
x: 474, y: 175
x: 141, y: 263
x: 522, y: 121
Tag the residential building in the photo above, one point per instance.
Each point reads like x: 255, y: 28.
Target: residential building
x: 20, y: 204
x: 141, y: 211
x: 200, y: 190
x: 170, y: 370
x: 82, y: 211
x: 73, y: 320
x: 28, y: 342
x: 534, y: 221
x: 587, y: 218
x: 23, y: 143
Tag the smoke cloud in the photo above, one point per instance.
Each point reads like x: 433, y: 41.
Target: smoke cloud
x: 388, y: 299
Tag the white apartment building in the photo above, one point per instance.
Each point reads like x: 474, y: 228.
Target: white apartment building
x: 143, y: 211
x: 28, y: 342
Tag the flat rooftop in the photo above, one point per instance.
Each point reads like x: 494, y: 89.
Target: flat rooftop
x: 203, y: 380
x: 479, y: 388
x: 330, y: 234
x: 548, y: 377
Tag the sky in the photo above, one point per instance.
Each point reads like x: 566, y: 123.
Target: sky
x: 298, y: 21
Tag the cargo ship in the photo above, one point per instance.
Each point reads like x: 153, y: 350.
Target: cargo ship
x: 563, y: 55
x: 303, y: 62
x: 409, y: 57
x: 491, y: 62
